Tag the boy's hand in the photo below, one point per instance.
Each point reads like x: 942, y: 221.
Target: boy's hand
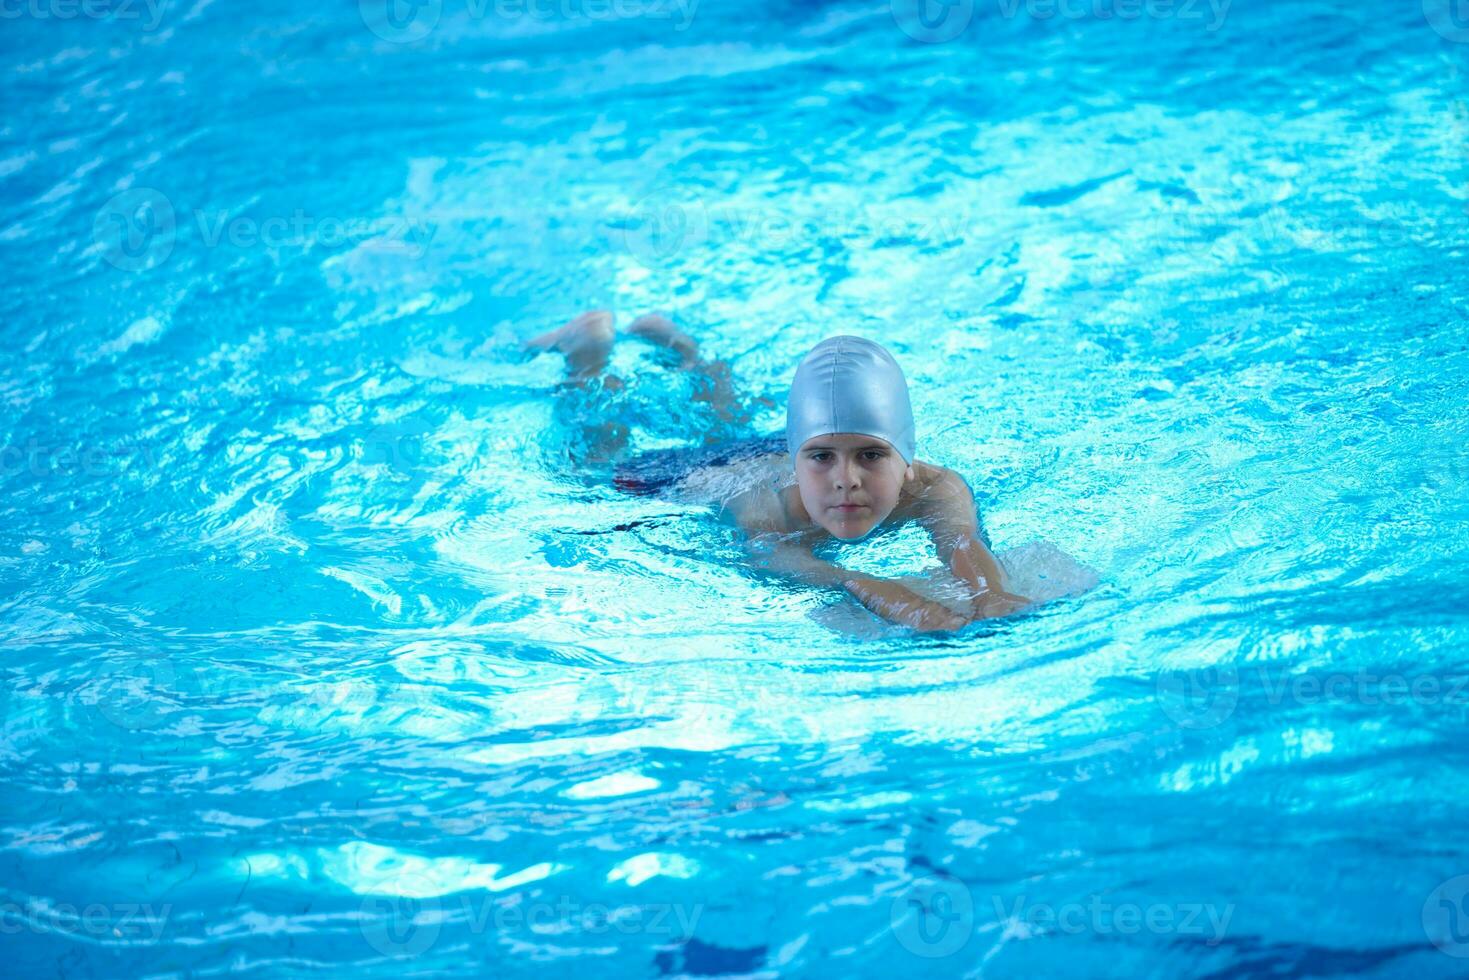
x: 993, y: 604
x: 901, y: 605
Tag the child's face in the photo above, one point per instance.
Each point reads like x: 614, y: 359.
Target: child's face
x: 849, y: 483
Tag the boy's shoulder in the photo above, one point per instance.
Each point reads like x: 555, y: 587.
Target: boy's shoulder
x: 759, y: 509
x: 934, y: 482
x: 937, y: 495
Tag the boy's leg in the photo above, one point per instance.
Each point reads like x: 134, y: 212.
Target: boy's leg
x: 656, y: 329
x: 585, y: 342
x: 718, y: 389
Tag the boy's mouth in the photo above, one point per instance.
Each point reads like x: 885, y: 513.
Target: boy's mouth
x: 848, y: 508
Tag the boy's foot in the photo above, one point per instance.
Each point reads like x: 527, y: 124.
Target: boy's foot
x: 584, y: 342
x: 660, y: 330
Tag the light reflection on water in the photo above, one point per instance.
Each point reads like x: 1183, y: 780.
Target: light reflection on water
x: 317, y: 657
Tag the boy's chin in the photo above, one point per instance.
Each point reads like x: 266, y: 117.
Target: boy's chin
x: 851, y: 532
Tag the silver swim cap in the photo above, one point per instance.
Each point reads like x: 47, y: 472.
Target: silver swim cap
x: 848, y: 384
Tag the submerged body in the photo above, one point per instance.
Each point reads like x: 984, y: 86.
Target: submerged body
x: 789, y: 494
x: 846, y: 487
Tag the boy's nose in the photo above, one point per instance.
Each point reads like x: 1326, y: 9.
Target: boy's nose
x: 847, y: 475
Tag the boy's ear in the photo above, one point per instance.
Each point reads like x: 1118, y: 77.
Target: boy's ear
x: 908, y: 475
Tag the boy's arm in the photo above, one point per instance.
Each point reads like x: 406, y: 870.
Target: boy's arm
x: 952, y: 522
x: 771, y: 548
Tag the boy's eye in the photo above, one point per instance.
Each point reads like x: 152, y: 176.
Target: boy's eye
x: 873, y: 454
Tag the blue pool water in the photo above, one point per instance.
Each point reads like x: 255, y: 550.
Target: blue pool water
x: 318, y: 660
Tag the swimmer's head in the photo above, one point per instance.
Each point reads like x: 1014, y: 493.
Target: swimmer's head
x: 849, y: 429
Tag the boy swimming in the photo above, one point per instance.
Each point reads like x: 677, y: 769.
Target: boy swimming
x: 844, y: 467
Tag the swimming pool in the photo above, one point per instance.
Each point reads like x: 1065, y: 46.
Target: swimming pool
x: 317, y: 661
